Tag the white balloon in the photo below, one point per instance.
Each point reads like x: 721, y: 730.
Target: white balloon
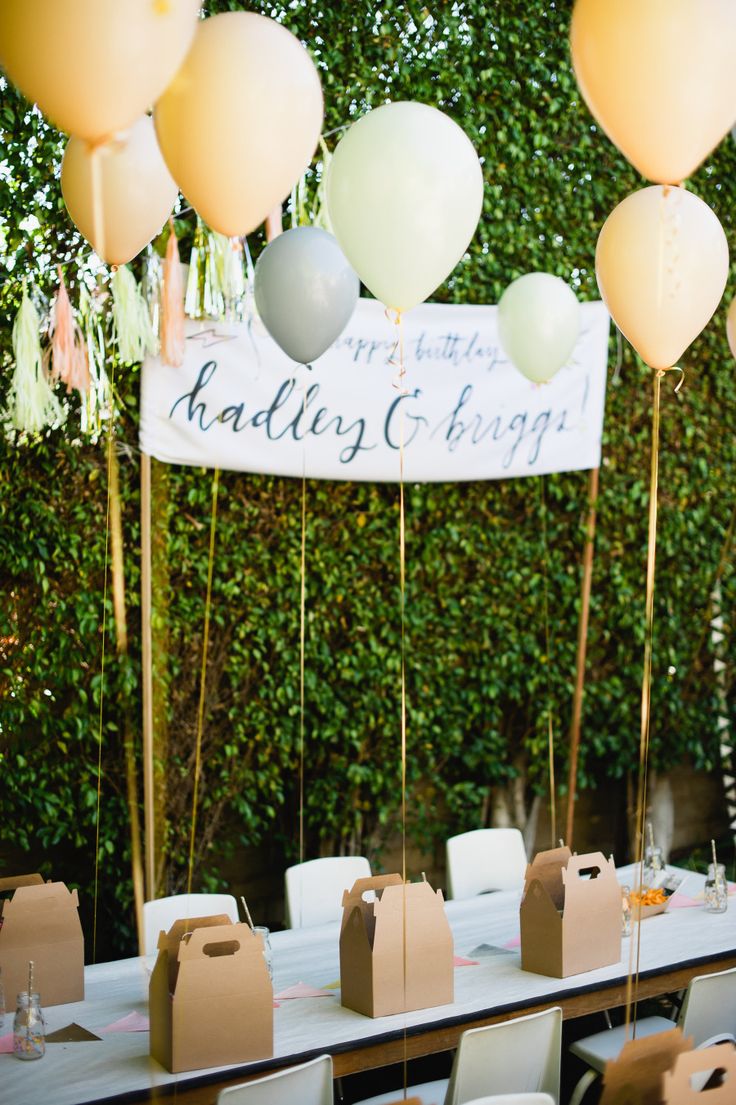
x: 538, y: 324
x: 404, y: 194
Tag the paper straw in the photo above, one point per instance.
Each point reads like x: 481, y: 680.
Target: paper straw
x: 715, y: 863
x: 248, y: 917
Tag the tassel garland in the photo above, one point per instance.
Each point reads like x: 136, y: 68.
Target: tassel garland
x: 132, y: 323
x: 68, y: 350
x: 172, y: 307
x: 32, y: 405
x: 97, y: 403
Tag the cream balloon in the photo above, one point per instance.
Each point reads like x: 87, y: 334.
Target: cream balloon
x: 94, y: 66
x: 404, y: 195
x: 731, y: 327
x: 659, y: 76
x: 661, y: 264
x: 538, y: 324
x: 241, y: 121
x: 137, y: 191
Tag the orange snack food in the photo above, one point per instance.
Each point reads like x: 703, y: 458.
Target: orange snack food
x: 650, y: 896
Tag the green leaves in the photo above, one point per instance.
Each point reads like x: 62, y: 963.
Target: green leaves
x: 480, y: 677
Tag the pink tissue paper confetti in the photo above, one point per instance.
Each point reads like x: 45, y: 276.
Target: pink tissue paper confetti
x: 301, y: 990
x: 133, y: 1022
x: 514, y: 942
x: 6, y: 1044
x: 460, y: 961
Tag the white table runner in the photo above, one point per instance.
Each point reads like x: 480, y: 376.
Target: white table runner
x: 76, y: 1073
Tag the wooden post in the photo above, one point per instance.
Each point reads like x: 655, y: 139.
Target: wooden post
x: 121, y: 645
x: 147, y: 679
x: 577, y: 702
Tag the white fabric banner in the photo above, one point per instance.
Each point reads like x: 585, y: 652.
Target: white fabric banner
x: 239, y: 403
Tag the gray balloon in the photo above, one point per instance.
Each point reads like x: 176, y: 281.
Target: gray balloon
x: 305, y: 291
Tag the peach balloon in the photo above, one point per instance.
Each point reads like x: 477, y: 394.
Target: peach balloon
x: 660, y: 78
x: 662, y: 265
x: 94, y: 66
x: 241, y: 121
x: 137, y: 191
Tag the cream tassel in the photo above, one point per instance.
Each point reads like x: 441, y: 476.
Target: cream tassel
x: 133, y: 330
x: 32, y: 405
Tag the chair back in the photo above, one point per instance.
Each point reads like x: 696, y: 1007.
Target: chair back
x: 314, y: 889
x: 162, y: 912
x: 308, y: 1084
x: 485, y: 859
x: 519, y: 1056
x: 514, y: 1099
x: 709, y: 1008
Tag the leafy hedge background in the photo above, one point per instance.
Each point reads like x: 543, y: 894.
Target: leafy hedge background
x: 478, y: 669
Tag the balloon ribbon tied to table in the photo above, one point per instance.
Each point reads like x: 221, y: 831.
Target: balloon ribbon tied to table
x: 404, y: 195
x: 661, y: 265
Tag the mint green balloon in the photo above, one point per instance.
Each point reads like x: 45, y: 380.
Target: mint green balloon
x: 538, y: 324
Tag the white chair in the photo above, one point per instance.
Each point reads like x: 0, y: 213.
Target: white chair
x: 308, y: 1084
x: 162, y: 912
x: 485, y: 859
x: 514, y: 1099
x: 314, y: 889
x: 521, y: 1056
x: 709, y: 1010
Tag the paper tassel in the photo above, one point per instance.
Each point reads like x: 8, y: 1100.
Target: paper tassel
x: 97, y: 403
x: 172, y: 307
x: 227, y: 278
x: 68, y: 350
x: 194, y: 298
x: 133, y: 330
x: 304, y: 213
x: 217, y: 286
x: 151, y: 288
x: 32, y: 405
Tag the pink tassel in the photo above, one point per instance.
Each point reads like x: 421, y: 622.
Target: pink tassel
x: 172, y: 307
x: 69, y: 361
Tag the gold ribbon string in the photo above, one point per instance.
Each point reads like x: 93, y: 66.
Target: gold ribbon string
x: 402, y: 602
x: 302, y: 636
x: 110, y: 443
x: 632, y: 981
x: 203, y: 676
x: 548, y: 659
x: 98, y: 218
x: 398, y: 383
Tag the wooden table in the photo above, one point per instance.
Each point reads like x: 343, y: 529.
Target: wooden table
x: 674, y: 947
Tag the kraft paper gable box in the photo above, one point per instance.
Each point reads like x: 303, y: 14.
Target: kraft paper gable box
x: 637, y: 1075
x: 372, y: 948
x: 41, y: 923
x: 569, y: 923
x: 682, y: 1084
x: 210, y: 998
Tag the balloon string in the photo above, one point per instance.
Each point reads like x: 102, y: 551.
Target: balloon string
x: 203, y: 677
x: 302, y: 636
x: 98, y: 221
x: 110, y: 443
x: 548, y: 661
x: 402, y: 604
x: 632, y: 982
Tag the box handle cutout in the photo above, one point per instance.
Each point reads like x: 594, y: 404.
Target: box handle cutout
x: 718, y: 1078
x: 222, y: 947
x: 589, y: 873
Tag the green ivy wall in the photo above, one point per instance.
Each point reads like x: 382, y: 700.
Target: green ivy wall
x: 478, y: 671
